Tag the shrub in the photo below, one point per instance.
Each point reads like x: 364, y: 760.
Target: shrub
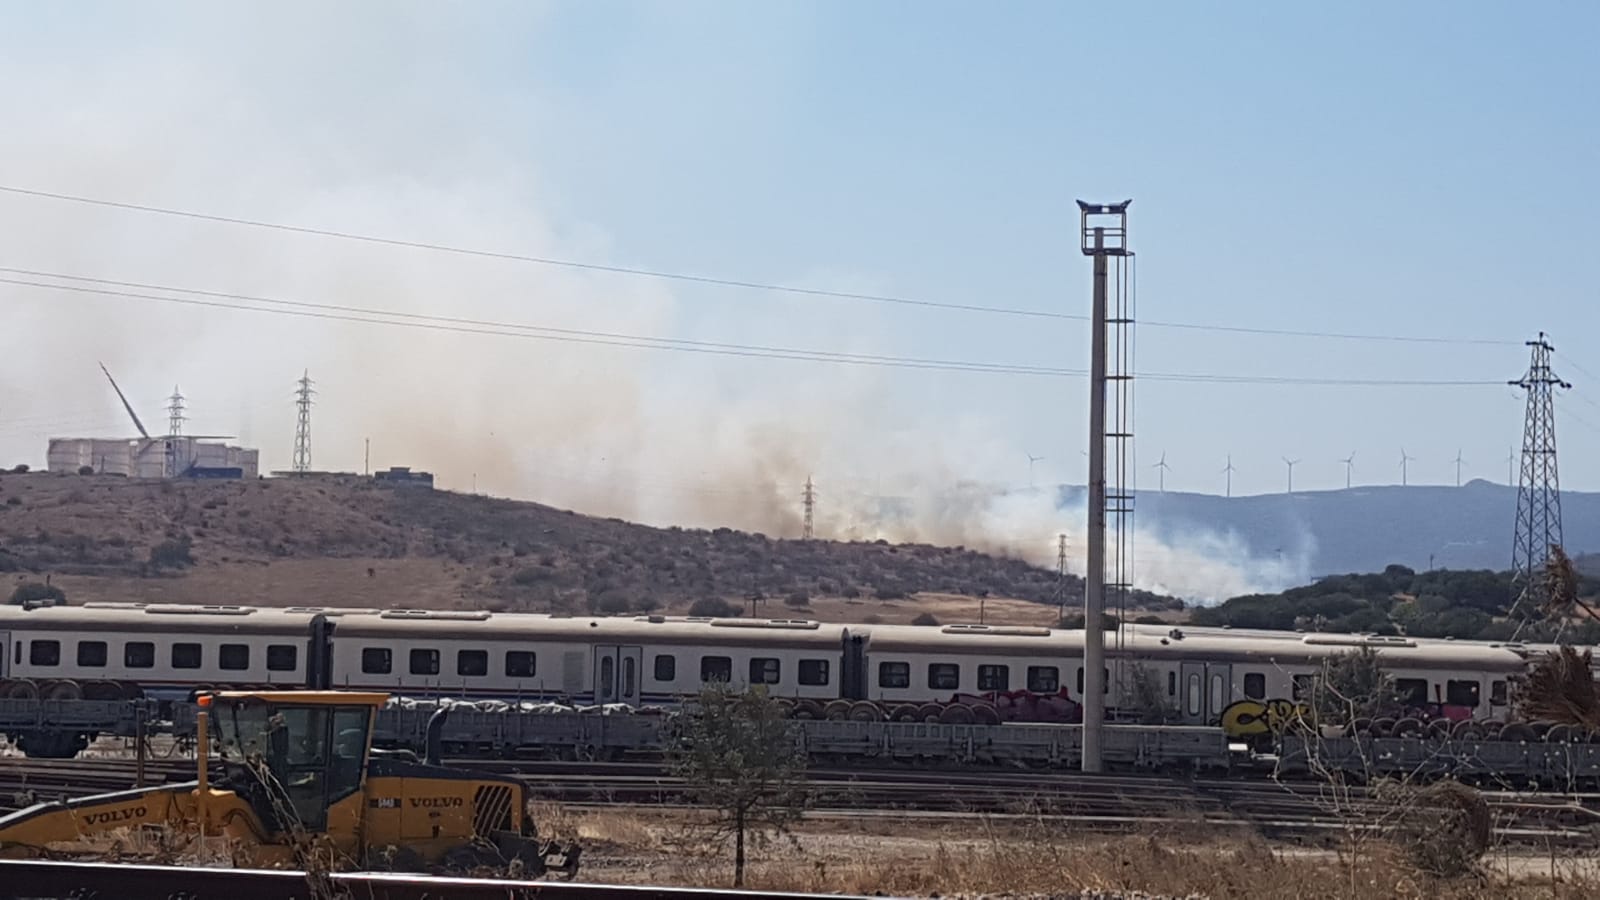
x: 849, y: 593
x: 171, y: 554
x: 885, y: 592
x: 925, y: 619
x: 33, y: 592
x: 713, y: 607
x: 20, y: 469
x: 797, y: 599
x: 86, y: 470
x: 13, y: 501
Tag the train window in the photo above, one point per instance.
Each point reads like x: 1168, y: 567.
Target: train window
x: 139, y: 655
x: 994, y: 678
x: 944, y: 676
x: 813, y: 671
x: 894, y: 675
x: 92, y: 654
x: 1255, y: 686
x: 630, y: 677
x: 1219, y: 691
x: 608, y: 678
x: 1044, y: 679
x: 1105, y: 684
x: 424, y: 661
x: 233, y: 657
x: 1461, y: 693
x: 186, y: 656
x: 282, y: 657
x: 1497, y: 693
x: 520, y: 663
x: 377, y: 660
x: 666, y: 667
x: 1172, y: 684
x: 1302, y: 686
x: 44, y: 653
x: 764, y: 670
x: 1412, y: 691
x: 1193, y: 690
x: 472, y: 663
x: 716, y: 668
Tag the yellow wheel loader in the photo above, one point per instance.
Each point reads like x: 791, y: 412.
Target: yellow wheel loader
x: 299, y: 786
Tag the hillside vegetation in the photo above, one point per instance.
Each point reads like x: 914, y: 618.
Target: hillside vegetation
x: 349, y: 541
x: 1442, y: 603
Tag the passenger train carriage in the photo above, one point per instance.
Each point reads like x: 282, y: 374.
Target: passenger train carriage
x: 167, y: 651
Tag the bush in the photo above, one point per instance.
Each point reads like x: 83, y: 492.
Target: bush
x: 33, y: 592
x: 849, y: 593
x: 797, y: 599
x: 86, y: 470
x: 171, y: 554
x: 885, y: 592
x: 13, y: 501
x: 925, y: 619
x: 713, y: 607
x: 20, y: 469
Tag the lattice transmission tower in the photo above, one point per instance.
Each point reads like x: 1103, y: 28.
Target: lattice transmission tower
x: 808, y: 500
x: 1538, y: 488
x: 302, y: 428
x: 175, y: 416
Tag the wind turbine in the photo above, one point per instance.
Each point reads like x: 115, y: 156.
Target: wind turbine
x: 1349, y: 464
x: 1511, y: 457
x: 1458, y: 467
x: 1229, y: 472
x: 1031, y: 460
x: 1291, y: 464
x: 1404, y: 460
x: 1161, y: 474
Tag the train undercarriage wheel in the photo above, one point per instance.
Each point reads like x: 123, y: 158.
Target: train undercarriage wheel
x: 836, y: 710
x: 956, y: 715
x: 865, y: 711
x: 19, y: 689
x: 930, y: 712
x: 61, y: 689
x: 905, y: 712
x: 807, y: 709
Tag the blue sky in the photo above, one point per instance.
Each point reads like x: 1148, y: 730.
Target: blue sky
x: 1417, y: 169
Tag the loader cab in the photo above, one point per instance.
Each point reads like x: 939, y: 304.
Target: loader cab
x: 293, y: 754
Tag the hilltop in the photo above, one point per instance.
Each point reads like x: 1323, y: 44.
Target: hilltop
x: 344, y: 540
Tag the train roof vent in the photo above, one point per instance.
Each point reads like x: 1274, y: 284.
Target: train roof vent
x: 111, y: 604
x: 1357, y: 640
x: 795, y: 624
x: 196, y: 609
x: 653, y: 620
x: 452, y: 615
x: 1013, y: 630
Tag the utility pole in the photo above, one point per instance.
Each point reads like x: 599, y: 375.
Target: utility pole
x: 1061, y: 575
x: 1539, y: 489
x: 808, y: 501
x: 366, y: 457
x: 1228, y: 470
x: 1349, y: 465
x: 1100, y: 242
x: 1291, y: 464
x: 302, y: 428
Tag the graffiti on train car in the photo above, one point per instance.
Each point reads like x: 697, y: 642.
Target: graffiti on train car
x: 1247, y: 718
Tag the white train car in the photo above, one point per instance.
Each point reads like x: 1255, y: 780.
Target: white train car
x: 169, y: 650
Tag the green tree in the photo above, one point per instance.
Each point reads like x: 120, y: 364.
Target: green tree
x: 1352, y: 686
x: 740, y: 757
x: 33, y: 592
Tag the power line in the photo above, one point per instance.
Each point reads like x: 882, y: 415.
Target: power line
x: 376, y: 316
x: 718, y: 281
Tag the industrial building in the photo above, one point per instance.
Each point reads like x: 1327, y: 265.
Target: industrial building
x: 172, y: 456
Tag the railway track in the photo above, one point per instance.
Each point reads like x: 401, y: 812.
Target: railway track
x: 1288, y: 810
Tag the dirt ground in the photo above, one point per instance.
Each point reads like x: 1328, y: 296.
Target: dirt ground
x: 983, y: 857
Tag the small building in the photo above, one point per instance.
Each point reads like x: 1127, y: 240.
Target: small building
x: 402, y: 476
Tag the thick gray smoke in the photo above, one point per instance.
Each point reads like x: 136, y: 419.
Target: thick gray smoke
x: 334, y: 140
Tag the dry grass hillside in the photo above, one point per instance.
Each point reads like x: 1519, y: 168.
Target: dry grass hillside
x: 348, y: 541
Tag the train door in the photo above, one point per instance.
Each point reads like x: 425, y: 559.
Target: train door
x: 1204, y: 690
x: 616, y: 673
